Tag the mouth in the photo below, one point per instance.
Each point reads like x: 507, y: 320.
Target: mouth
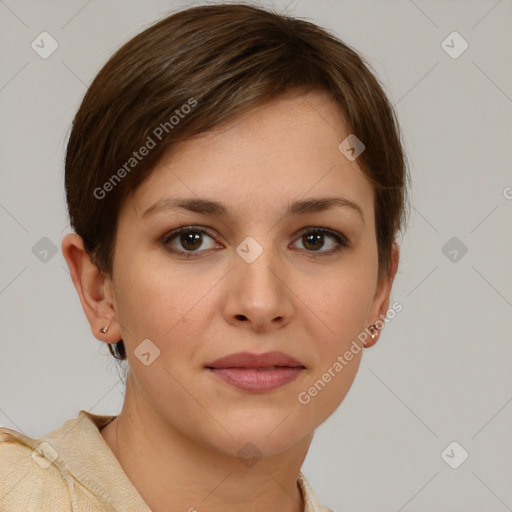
x: 256, y: 373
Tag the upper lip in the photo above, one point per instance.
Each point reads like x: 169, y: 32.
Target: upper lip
x: 250, y: 360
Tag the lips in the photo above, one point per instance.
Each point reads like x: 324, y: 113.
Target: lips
x: 256, y: 372
x: 249, y: 360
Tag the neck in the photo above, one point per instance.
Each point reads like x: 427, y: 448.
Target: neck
x: 172, y: 472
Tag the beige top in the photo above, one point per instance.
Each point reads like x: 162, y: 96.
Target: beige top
x: 72, y: 469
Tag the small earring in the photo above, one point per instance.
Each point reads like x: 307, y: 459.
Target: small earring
x: 105, y: 329
x: 372, y: 334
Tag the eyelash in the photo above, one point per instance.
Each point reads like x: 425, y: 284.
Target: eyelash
x: 342, y: 240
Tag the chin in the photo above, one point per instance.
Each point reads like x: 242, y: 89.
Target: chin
x: 266, y: 433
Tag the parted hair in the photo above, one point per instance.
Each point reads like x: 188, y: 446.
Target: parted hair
x: 199, y: 67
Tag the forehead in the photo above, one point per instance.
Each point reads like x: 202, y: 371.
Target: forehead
x: 282, y: 151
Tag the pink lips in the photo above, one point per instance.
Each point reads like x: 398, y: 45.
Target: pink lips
x: 256, y: 372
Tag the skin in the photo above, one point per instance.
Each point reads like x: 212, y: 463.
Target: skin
x: 180, y: 427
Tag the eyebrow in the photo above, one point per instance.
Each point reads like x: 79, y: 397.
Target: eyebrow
x: 207, y: 207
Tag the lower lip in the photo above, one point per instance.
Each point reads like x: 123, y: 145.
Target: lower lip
x: 257, y: 380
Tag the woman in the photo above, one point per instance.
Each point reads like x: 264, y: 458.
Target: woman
x: 235, y: 182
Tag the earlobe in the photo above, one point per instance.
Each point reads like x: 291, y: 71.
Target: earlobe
x: 90, y: 284
x: 373, y: 332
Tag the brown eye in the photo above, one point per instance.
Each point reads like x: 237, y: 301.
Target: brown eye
x: 187, y: 241
x: 190, y: 241
x: 313, y: 242
x: 314, y: 239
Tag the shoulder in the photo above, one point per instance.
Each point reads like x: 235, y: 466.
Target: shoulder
x: 27, y: 475
x: 70, y: 469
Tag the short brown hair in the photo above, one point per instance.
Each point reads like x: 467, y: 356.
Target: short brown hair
x: 201, y: 66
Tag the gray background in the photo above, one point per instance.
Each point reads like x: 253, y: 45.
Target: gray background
x: 441, y: 370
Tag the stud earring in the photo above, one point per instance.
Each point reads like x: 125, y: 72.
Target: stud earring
x: 105, y: 329
x: 373, y: 334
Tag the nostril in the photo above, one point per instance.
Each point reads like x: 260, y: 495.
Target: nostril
x: 241, y: 317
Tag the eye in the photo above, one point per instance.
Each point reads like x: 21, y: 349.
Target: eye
x: 189, y: 238
x: 313, y: 239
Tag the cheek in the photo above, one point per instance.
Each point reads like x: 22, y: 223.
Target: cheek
x: 338, y: 306
x: 340, y: 310
x: 161, y: 302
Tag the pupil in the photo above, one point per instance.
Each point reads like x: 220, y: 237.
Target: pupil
x: 311, y: 239
x: 188, y: 239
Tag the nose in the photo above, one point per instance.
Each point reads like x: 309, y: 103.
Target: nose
x: 258, y: 292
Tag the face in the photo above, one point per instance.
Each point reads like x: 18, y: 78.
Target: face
x: 262, y: 268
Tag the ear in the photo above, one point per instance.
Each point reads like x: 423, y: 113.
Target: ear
x: 380, y: 303
x: 95, y: 289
